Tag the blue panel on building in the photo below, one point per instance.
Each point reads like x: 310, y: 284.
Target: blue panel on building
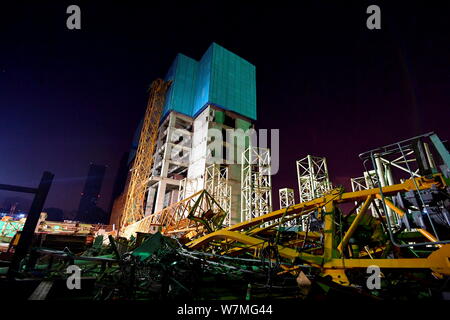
x: 180, y: 96
x: 203, y: 82
x: 221, y: 78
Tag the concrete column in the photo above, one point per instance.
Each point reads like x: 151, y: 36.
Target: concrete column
x: 150, y: 201
x: 167, y: 150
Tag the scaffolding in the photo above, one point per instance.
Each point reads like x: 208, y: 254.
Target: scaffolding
x: 287, y: 199
x: 256, y: 183
x: 367, y: 181
x: 313, y: 180
x: 187, y: 188
x: 286, y: 196
x: 216, y: 183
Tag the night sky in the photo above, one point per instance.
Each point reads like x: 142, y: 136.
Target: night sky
x: 332, y: 87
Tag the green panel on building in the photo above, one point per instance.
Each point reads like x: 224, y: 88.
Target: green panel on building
x: 219, y: 116
x: 233, y: 82
x: 180, y: 96
x: 221, y: 78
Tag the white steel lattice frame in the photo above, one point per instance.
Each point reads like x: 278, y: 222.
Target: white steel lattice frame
x: 216, y: 183
x: 400, y: 163
x: 313, y: 180
x: 367, y: 181
x: 187, y: 188
x: 256, y: 183
x: 382, y: 175
x: 286, y: 196
x: 287, y: 199
x: 384, y: 172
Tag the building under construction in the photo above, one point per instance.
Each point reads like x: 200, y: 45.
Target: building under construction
x: 208, y: 100
x: 195, y: 219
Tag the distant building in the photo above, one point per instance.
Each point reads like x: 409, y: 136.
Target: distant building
x: 88, y: 210
x: 14, y: 204
x: 120, y: 183
x: 54, y: 214
x: 121, y: 177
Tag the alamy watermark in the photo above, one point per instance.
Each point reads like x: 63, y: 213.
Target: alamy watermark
x: 373, y: 281
x: 374, y: 20
x: 74, y: 280
x: 74, y: 20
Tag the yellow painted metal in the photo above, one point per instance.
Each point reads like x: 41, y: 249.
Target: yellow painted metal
x: 429, y: 236
x: 141, y: 171
x: 181, y: 217
x: 291, y: 270
x: 355, y: 223
x: 438, y: 261
x: 329, y: 230
x: 423, y: 183
x: 337, y: 275
x: 400, y: 212
x: 338, y: 197
x: 244, y: 236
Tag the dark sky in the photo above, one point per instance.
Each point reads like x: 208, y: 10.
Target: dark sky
x: 332, y: 87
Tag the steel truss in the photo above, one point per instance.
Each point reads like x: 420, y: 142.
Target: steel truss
x: 368, y: 181
x: 313, y: 180
x: 331, y: 253
x: 194, y: 215
x: 394, y: 164
x: 187, y: 188
x: 256, y: 183
x: 134, y: 208
x: 287, y: 199
x: 216, y: 183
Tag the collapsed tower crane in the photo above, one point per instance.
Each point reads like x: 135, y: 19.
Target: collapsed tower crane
x: 348, y: 239
x: 141, y: 171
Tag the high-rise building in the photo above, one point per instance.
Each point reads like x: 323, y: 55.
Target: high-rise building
x: 88, y: 210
